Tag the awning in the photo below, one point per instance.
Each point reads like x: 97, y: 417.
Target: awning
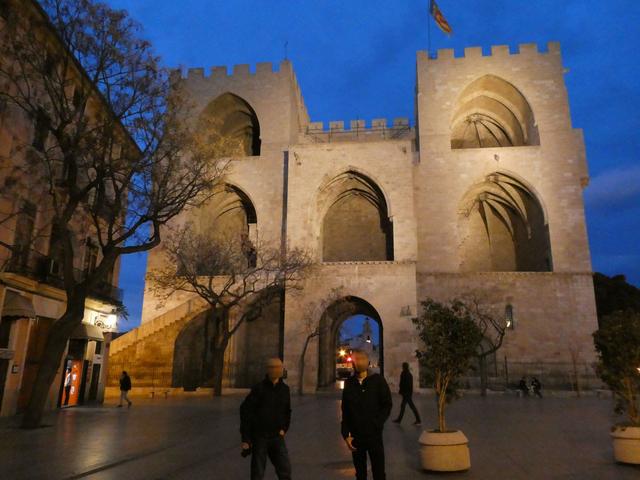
x: 15, y: 305
x: 86, y: 331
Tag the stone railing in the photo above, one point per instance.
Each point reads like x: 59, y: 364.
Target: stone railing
x: 190, y: 307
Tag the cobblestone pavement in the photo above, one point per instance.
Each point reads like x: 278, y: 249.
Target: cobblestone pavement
x: 197, y: 438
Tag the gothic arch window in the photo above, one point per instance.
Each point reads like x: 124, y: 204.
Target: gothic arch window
x: 356, y: 224
x: 229, y: 217
x: 230, y: 127
x: 491, y: 112
x: 503, y: 227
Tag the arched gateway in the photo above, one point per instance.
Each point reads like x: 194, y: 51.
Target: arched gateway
x: 330, y: 323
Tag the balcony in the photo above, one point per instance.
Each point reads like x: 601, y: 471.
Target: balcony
x: 44, y: 269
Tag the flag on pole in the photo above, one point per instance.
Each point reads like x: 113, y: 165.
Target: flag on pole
x: 439, y: 18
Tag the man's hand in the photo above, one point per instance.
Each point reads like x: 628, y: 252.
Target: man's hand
x: 245, y: 446
x: 282, y: 432
x: 349, y: 442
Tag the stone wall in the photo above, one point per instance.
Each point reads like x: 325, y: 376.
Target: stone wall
x: 423, y: 183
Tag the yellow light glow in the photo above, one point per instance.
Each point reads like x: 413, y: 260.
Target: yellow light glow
x: 342, y: 352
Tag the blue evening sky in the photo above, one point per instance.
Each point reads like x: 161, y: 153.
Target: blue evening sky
x: 356, y: 59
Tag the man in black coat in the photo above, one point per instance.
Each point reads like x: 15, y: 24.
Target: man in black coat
x: 366, y: 405
x: 265, y: 416
x: 125, y: 386
x: 406, y: 391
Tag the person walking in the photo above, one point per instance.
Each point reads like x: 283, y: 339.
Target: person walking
x: 523, y: 387
x: 406, y: 391
x: 536, y: 386
x: 125, y: 386
x: 67, y: 386
x: 265, y: 416
x: 366, y: 405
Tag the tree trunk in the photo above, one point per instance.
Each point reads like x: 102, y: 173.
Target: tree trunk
x: 218, y: 366
x: 302, y: 362
x: 54, y: 349
x: 483, y: 375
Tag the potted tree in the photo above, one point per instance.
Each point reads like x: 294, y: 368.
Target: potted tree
x: 617, y: 342
x: 450, y: 339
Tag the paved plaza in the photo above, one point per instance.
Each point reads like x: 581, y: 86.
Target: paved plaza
x: 197, y: 438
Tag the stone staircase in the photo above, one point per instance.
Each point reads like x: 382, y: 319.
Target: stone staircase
x: 189, y: 308
x: 146, y: 352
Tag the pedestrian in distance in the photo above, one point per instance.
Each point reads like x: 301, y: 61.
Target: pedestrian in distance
x: 125, y: 387
x: 406, y: 391
x: 67, y: 386
x: 265, y: 415
x: 537, y: 387
x: 366, y: 405
x: 523, y: 387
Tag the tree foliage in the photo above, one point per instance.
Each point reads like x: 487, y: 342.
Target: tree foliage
x: 614, y: 294
x: 617, y: 342
x: 450, y: 339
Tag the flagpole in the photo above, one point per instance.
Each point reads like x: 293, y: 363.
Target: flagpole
x: 429, y: 32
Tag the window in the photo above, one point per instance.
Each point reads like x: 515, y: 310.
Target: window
x: 40, y: 130
x: 91, y: 257
x: 25, y: 224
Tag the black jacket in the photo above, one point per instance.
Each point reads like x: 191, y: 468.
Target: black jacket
x: 125, y: 383
x: 365, y: 407
x: 406, y: 383
x: 265, y: 411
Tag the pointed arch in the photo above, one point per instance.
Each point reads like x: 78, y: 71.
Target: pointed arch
x: 229, y: 217
x: 231, y: 127
x: 491, y: 112
x: 355, y: 219
x: 503, y: 227
x: 330, y: 322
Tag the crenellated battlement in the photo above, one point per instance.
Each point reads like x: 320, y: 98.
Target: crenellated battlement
x: 499, y: 51
x: 377, y: 129
x: 240, y: 71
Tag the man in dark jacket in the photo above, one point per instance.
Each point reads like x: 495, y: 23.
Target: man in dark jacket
x: 366, y: 405
x: 264, y: 420
x: 406, y: 391
x: 125, y: 386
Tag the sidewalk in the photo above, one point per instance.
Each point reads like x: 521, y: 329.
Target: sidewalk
x: 197, y: 438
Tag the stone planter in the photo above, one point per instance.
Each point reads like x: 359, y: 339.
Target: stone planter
x: 626, y: 444
x: 444, y: 452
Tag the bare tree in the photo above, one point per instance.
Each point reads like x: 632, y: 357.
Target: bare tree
x: 492, y: 323
x: 575, y: 353
x: 312, y: 324
x: 110, y: 146
x: 237, y: 282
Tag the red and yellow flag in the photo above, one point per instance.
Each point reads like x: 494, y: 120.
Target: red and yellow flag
x: 439, y: 18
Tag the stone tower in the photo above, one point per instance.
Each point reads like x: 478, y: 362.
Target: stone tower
x: 482, y: 197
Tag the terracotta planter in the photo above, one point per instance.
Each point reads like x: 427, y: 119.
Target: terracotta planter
x: 444, y: 452
x: 626, y: 444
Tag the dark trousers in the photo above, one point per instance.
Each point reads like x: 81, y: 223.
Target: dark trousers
x: 67, y: 392
x: 407, y: 400
x: 274, y: 448
x: 375, y: 448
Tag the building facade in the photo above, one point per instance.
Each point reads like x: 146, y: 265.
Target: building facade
x: 481, y: 195
x: 32, y: 295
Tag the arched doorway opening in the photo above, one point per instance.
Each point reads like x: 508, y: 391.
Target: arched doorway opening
x: 356, y: 224
x: 491, y: 112
x: 347, y: 310
x: 230, y: 127
x: 229, y: 219
x: 503, y: 228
